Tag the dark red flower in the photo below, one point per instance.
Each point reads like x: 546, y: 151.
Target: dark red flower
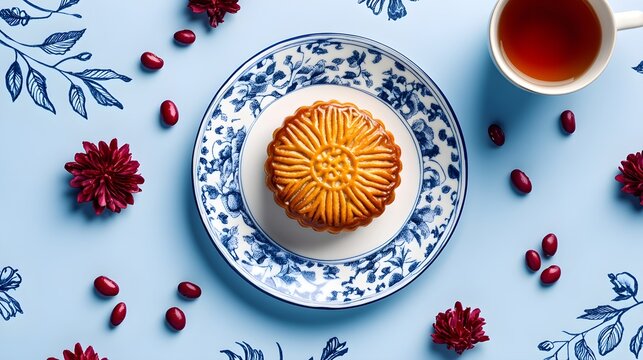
x: 459, y: 329
x: 79, y: 354
x: 631, y: 175
x: 106, y: 176
x: 216, y: 9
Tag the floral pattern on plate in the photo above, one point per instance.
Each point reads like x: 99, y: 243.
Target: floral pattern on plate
x: 329, y: 59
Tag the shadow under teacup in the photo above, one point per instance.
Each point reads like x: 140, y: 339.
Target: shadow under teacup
x: 555, y: 47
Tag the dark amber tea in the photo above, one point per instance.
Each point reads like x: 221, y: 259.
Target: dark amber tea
x: 550, y: 40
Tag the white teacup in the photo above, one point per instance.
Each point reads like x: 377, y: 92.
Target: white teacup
x: 610, y: 23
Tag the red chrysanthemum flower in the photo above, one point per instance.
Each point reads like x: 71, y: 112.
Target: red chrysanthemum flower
x: 216, y: 9
x: 79, y: 354
x: 459, y: 329
x: 631, y: 175
x: 106, y: 175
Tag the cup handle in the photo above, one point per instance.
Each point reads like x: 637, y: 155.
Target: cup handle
x: 628, y: 20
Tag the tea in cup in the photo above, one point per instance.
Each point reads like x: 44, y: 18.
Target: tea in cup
x: 555, y: 46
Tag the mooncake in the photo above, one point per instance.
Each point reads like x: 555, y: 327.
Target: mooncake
x: 333, y: 167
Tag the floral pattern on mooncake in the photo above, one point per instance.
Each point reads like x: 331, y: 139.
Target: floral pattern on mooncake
x: 333, y: 167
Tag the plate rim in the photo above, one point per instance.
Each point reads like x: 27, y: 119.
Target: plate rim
x: 464, y: 170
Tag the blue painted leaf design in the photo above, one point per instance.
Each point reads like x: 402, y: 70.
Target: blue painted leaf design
x: 37, y: 87
x: 639, y: 68
x: 15, y: 16
x: 625, y: 285
x: 400, y: 66
x: 583, y: 352
x: 305, y: 70
x: 378, y: 55
x: 334, y: 348
x: 102, y: 96
x: 602, y: 312
x: 246, y: 76
x: 9, y: 279
x: 415, y: 264
x: 255, y: 107
x: 271, y: 68
x: 13, y: 80
x: 395, y: 278
x: 9, y: 307
x: 102, y: 74
x: 319, y: 51
x: 546, y: 346
x: 308, y: 275
x: 349, y: 75
x: 375, y: 5
x: 453, y: 172
x: 83, y: 56
x: 250, y: 353
x: 278, y: 76
x: 229, y: 92
x: 609, y: 338
x: 238, y: 104
x: 636, y: 344
x: 231, y: 355
x: 67, y: 3
x: 60, y: 43
x: 77, y: 100
x: 353, y: 59
x: 396, y: 9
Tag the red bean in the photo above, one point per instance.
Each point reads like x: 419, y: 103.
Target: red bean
x: 176, y: 318
x: 521, y: 181
x: 169, y: 112
x: 151, y: 61
x: 550, y: 275
x: 118, y: 314
x: 568, y: 121
x: 533, y: 260
x: 550, y: 244
x: 185, y: 37
x: 106, y: 286
x: 189, y: 290
x: 496, y: 134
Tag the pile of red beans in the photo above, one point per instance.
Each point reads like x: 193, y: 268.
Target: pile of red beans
x: 519, y: 179
x: 522, y: 184
x: 174, y: 316
x: 153, y: 62
x: 549, y: 246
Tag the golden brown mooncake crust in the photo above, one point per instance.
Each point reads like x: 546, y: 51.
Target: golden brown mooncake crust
x: 332, y: 166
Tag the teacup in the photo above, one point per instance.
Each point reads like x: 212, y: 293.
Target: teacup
x: 608, y: 24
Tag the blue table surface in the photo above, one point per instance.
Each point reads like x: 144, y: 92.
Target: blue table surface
x: 60, y: 247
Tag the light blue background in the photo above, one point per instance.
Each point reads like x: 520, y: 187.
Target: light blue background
x: 60, y: 248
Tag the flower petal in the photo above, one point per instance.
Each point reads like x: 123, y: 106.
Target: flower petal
x: 68, y: 355
x: 9, y: 278
x: 89, y: 147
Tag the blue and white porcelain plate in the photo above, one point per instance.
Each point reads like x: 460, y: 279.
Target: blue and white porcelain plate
x: 254, y: 234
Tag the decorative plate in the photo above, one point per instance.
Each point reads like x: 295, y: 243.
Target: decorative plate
x: 272, y: 251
